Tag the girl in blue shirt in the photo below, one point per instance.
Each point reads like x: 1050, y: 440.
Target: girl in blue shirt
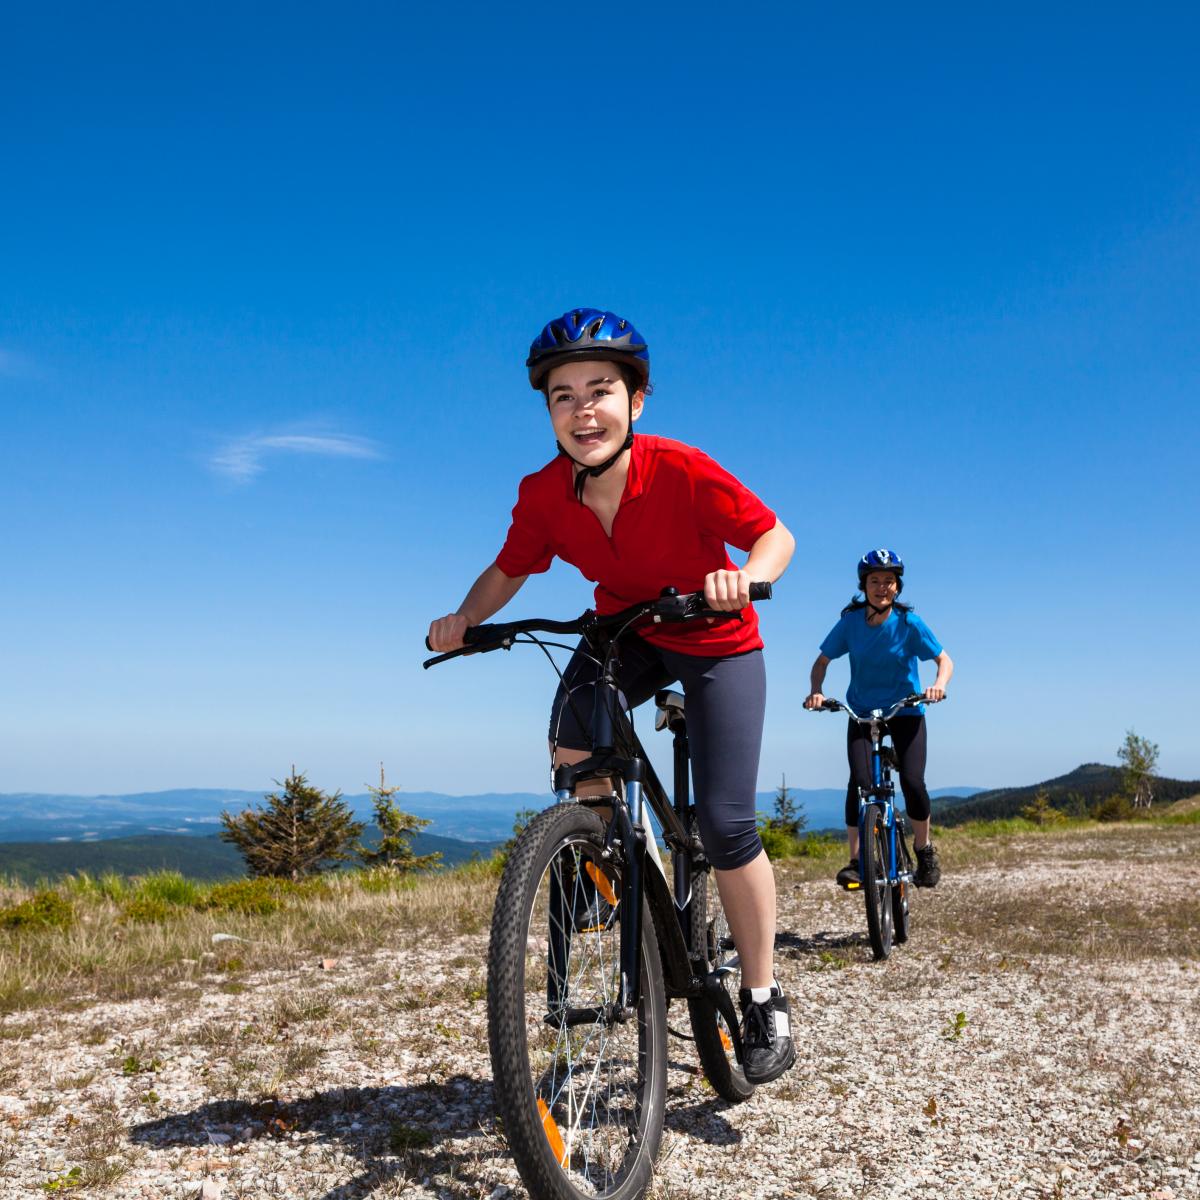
x: 886, y: 642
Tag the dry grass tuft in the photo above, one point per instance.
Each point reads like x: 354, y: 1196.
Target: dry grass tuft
x: 98, y: 1143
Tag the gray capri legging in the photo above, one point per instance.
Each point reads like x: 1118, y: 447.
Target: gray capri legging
x: 726, y: 701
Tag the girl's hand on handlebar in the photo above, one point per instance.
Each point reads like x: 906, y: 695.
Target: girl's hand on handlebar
x: 934, y: 694
x: 814, y: 701
x: 446, y: 633
x: 727, y: 591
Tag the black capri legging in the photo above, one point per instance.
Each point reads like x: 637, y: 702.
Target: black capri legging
x: 908, y: 737
x: 726, y: 702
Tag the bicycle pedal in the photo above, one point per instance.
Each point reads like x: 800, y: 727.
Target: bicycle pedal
x: 852, y: 887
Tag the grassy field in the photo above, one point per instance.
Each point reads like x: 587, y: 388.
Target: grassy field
x: 114, y: 937
x: 109, y: 937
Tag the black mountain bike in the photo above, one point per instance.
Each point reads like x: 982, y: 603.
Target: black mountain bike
x: 590, y: 942
x: 884, y: 860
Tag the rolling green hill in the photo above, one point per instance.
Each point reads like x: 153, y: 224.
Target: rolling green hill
x: 1075, y: 793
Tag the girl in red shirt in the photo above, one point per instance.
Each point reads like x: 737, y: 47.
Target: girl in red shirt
x: 636, y: 515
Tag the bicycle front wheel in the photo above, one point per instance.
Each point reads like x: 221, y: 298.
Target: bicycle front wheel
x: 876, y: 889
x: 579, y: 1091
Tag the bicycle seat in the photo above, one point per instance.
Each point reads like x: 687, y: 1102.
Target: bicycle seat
x: 670, y: 709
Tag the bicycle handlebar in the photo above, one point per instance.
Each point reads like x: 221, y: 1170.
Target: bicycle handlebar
x: 670, y: 607
x: 878, y: 713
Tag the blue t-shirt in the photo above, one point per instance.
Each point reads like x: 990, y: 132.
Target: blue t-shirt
x: 883, y: 658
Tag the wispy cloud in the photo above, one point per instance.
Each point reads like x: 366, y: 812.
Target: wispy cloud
x: 242, y: 458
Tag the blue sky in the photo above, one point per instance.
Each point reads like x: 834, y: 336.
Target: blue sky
x: 268, y: 275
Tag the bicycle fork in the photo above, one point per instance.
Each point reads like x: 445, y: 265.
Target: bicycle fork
x: 627, y: 824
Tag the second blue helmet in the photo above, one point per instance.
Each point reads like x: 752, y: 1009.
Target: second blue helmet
x: 880, y: 560
x: 588, y: 333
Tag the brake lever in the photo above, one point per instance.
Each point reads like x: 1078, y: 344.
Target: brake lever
x: 505, y: 643
x: 441, y: 658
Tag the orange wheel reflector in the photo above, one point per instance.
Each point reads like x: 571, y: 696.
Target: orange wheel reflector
x: 726, y: 1040
x: 550, y: 1128
x: 603, y: 883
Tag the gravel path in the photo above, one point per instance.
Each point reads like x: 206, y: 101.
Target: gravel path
x: 1034, y: 1039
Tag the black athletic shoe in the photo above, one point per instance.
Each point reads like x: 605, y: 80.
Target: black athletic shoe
x: 848, y: 877
x: 766, y: 1036
x: 929, y: 870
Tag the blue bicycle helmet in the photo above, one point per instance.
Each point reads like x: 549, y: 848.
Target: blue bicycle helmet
x: 881, y: 560
x: 587, y: 333
x: 584, y: 334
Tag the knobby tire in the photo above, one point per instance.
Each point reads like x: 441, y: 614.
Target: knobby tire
x: 876, y: 890
x: 712, y: 942
x: 901, y: 892
x: 581, y: 1102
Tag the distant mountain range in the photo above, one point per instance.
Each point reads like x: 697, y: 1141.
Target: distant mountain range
x: 204, y: 858
x: 44, y: 836
x: 195, y: 812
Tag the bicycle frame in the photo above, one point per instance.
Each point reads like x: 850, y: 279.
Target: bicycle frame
x: 618, y: 753
x: 883, y: 793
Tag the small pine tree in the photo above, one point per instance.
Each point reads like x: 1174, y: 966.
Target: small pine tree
x: 789, y: 816
x: 300, y: 832
x: 396, y: 830
x: 1139, y: 757
x: 1115, y: 807
x: 1041, y: 811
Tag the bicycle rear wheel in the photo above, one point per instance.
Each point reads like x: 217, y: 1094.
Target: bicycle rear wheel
x: 876, y: 890
x: 712, y: 942
x: 900, y: 891
x: 580, y: 1093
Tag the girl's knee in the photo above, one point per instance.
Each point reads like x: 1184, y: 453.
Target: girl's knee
x: 734, y: 855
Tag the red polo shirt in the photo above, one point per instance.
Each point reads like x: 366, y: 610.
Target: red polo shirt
x: 677, y: 513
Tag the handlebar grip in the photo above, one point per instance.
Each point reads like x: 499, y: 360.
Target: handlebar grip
x: 760, y: 591
x: 474, y: 634
x: 478, y: 634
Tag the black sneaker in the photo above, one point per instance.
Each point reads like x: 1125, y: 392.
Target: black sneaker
x: 766, y: 1036
x: 929, y: 870
x: 848, y: 877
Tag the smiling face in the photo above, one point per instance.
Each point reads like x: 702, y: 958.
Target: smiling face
x: 881, y: 588
x: 589, y: 409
